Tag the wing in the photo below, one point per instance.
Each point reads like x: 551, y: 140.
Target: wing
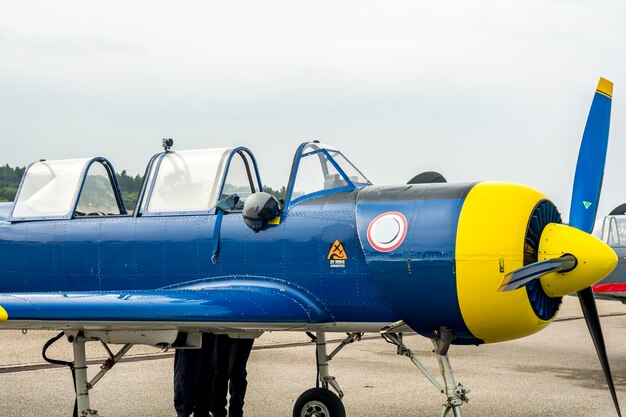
x: 213, y: 305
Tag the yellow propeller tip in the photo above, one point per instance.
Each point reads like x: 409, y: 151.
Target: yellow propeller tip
x: 605, y: 87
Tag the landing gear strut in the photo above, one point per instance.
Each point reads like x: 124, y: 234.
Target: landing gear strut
x: 456, y: 394
x: 82, y: 385
x: 321, y: 401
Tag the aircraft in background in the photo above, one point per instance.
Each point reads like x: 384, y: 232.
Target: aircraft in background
x: 206, y: 250
x: 613, y: 287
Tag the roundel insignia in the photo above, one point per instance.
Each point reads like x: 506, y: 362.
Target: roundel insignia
x: 387, y: 231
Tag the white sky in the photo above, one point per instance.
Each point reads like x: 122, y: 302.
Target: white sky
x: 477, y: 90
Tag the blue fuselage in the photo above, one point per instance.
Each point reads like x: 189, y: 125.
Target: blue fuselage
x: 107, y: 253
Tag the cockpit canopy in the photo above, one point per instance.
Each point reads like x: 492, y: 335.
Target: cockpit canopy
x: 320, y: 169
x: 193, y: 181
x: 178, y: 182
x: 614, y: 230
x: 62, y: 188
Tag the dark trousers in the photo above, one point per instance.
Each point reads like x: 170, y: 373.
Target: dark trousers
x: 230, y: 363
x: 193, y: 379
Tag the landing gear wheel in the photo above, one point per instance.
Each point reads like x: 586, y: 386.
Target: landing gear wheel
x: 319, y: 402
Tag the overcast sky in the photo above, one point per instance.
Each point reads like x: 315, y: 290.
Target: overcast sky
x: 477, y: 90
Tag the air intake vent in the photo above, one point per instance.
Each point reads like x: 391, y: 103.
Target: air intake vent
x: 544, y: 307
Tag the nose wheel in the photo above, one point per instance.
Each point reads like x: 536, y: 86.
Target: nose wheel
x: 319, y: 402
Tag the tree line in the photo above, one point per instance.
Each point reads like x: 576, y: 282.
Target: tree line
x: 9, y: 181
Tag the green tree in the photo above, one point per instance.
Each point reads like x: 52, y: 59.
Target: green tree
x: 279, y: 193
x: 130, y: 187
x: 9, y: 181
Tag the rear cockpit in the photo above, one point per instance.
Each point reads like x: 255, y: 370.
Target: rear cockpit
x: 63, y: 189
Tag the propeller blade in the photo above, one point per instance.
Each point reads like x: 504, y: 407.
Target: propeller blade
x: 588, y: 305
x: 591, y: 160
x: 584, y: 205
x: 520, y: 277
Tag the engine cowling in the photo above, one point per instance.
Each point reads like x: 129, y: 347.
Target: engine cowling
x: 459, y: 242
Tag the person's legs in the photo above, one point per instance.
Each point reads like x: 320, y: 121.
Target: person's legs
x: 239, y: 354
x: 220, y: 374
x: 204, y: 387
x: 185, y: 377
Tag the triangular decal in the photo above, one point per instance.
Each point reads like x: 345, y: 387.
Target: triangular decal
x: 337, y: 252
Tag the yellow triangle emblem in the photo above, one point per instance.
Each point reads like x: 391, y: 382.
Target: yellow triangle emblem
x: 337, y: 252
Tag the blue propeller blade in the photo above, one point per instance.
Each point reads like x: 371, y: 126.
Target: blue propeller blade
x: 583, y: 209
x: 591, y: 159
x: 585, y: 197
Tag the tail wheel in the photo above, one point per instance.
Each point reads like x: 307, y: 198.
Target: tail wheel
x: 319, y: 402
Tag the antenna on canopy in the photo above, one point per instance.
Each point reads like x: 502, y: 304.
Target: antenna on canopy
x: 167, y: 143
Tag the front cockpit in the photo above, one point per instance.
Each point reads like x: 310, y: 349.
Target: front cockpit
x: 319, y: 170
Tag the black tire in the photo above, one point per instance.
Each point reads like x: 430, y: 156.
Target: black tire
x: 319, y: 402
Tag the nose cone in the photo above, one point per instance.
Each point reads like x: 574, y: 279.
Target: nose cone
x: 595, y: 259
x: 3, y: 315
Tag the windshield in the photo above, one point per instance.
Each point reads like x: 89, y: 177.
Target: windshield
x: 350, y: 170
x: 322, y: 169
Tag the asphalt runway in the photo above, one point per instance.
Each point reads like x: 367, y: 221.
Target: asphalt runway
x: 553, y: 373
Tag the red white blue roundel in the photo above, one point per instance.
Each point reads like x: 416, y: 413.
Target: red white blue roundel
x: 387, y: 231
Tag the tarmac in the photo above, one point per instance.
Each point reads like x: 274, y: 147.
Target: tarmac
x: 553, y: 373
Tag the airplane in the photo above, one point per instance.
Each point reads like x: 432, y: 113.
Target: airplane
x: 613, y: 233
x: 205, y: 249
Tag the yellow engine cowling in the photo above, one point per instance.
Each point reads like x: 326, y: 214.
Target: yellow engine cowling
x: 493, y: 230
